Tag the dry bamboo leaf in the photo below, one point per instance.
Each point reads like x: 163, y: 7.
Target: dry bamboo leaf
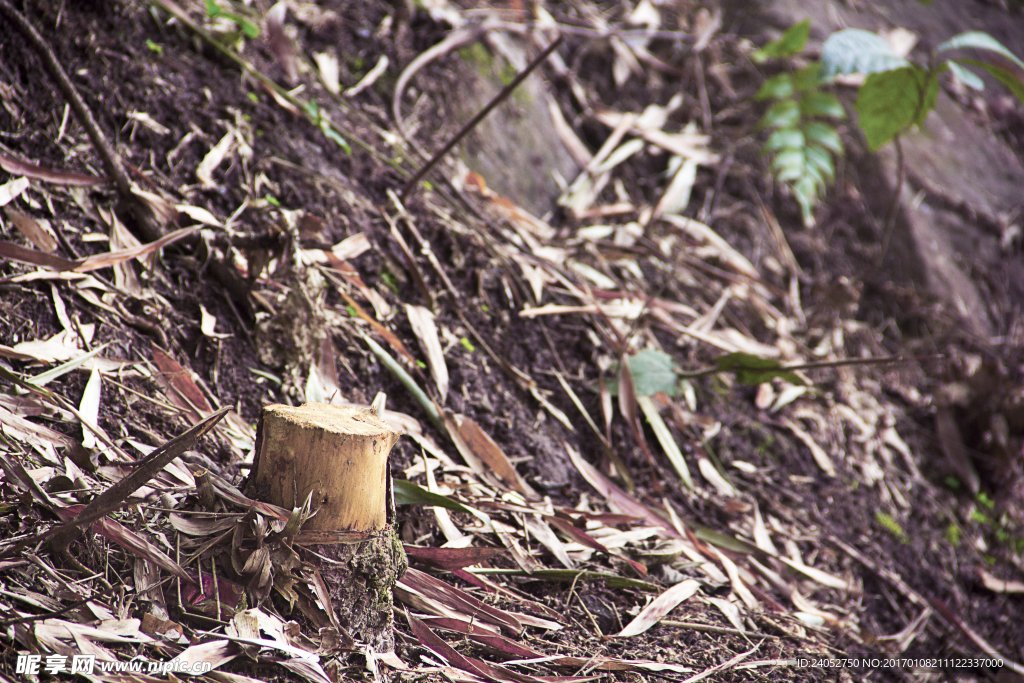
x: 352, y: 246
x: 16, y: 252
x: 490, y: 453
x: 444, y: 520
x: 178, y: 385
x: 999, y: 585
x: 677, y: 195
x: 702, y: 232
x: 199, y: 214
x: 89, y: 409
x: 114, y: 257
x: 505, y: 534
x: 456, y: 599
x: 327, y: 65
x: 661, y: 606
x: 422, y: 322
x: 38, y: 232
x: 215, y: 652
x: 734, y: 578
x: 761, y: 536
x: 129, y: 540
x: 730, y: 610
x: 280, y: 44
x: 12, y: 189
x: 668, y: 443
x: 577, y: 150
x: 824, y: 578
x: 213, y: 159
x: 715, y: 478
x: 452, y: 558
x: 820, y: 456
x: 370, y: 78
x: 24, y: 168
x: 953, y: 447
x: 616, y: 496
x: 208, y: 323
x: 543, y: 533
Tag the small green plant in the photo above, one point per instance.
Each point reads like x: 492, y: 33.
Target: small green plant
x: 891, y: 525
x: 247, y: 27
x: 896, y: 95
x: 804, y: 138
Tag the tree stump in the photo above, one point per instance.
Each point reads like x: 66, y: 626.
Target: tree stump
x: 339, y: 456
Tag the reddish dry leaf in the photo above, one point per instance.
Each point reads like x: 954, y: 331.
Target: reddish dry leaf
x: 129, y: 540
x: 16, y: 252
x: 179, y: 387
x: 280, y: 43
x: 205, y: 599
x: 458, y: 600
x: 452, y: 558
x: 493, y: 672
x: 616, y: 496
x: 24, y: 168
x: 662, y: 605
x: 32, y: 230
x: 384, y: 332
x: 480, y: 635
x: 491, y: 454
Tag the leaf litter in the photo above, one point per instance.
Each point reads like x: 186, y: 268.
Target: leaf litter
x: 226, y: 572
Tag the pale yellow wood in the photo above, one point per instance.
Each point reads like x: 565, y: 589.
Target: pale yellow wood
x: 337, y: 453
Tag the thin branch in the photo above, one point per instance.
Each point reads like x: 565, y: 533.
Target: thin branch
x: 111, y: 161
x: 495, y: 101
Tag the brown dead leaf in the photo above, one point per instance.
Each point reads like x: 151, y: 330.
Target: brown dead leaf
x: 24, y: 168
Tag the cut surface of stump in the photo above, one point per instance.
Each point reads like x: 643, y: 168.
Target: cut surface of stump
x: 337, y: 457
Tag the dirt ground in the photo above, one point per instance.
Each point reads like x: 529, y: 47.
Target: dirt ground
x: 912, y: 552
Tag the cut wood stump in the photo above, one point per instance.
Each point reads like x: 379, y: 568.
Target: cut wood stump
x: 338, y: 457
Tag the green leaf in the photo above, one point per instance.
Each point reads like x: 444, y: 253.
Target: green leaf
x: 1013, y: 82
x: 248, y: 28
x: 817, y: 103
x: 823, y: 134
x: 931, y: 96
x: 212, y: 9
x: 776, y: 88
x: 808, y: 77
x: 782, y: 114
x: 785, y: 137
x: 789, y: 165
x: 154, y: 47
x: 333, y: 135
x: 981, y: 41
x: 468, y: 344
x: 888, y: 102
x: 408, y: 493
x: 818, y: 157
x: 806, y: 192
x: 653, y: 371
x: 857, y: 51
x: 968, y: 78
x: 752, y: 370
x: 791, y: 42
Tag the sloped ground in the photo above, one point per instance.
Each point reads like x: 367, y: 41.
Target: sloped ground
x: 820, y: 521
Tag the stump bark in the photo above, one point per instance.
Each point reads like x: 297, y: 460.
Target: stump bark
x: 338, y: 455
